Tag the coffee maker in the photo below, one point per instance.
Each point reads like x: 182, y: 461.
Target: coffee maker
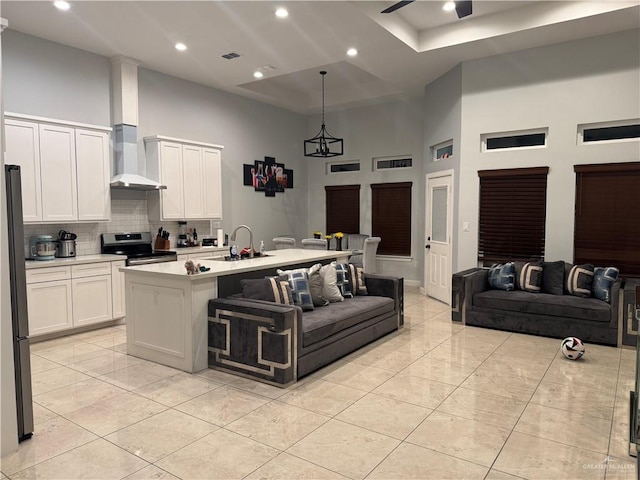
x: 183, y: 241
x: 42, y: 247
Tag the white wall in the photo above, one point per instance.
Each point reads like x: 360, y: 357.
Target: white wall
x: 52, y: 80
x: 389, y: 129
x: 558, y: 87
x: 442, y: 122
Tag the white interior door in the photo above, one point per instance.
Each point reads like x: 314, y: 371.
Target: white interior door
x: 439, y: 211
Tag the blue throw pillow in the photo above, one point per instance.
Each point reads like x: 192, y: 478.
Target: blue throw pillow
x: 502, y: 276
x: 603, y: 280
x: 299, y: 283
x: 345, y: 282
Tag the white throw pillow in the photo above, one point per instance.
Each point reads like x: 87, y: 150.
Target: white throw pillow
x: 330, y: 289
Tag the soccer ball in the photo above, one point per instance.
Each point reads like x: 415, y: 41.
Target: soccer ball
x: 572, y: 348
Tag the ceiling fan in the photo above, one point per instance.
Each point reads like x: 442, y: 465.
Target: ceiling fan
x: 463, y: 8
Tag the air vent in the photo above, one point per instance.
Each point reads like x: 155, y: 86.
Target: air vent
x: 231, y: 55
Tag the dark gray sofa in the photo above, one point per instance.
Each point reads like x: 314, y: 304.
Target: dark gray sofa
x: 557, y: 316
x: 279, y: 344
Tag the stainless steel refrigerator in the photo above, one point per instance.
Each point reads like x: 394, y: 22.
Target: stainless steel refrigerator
x: 20, y: 319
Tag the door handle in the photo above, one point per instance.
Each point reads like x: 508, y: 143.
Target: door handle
x: 428, y: 246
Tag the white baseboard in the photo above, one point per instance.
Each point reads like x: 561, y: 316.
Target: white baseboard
x: 414, y: 283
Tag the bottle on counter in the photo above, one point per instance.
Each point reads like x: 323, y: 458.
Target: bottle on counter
x: 195, y: 237
x: 263, y: 250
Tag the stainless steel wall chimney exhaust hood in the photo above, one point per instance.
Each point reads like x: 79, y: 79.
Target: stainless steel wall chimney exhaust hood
x: 127, y: 168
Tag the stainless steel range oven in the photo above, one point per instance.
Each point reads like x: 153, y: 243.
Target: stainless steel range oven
x: 137, y: 246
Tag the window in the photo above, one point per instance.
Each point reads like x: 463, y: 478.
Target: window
x: 607, y: 222
x: 391, y: 217
x: 382, y: 163
x: 523, y: 139
x: 442, y: 151
x: 343, y: 208
x: 340, y: 167
x: 625, y: 130
x: 512, y: 214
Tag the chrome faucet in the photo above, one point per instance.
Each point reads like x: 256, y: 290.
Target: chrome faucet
x: 233, y: 238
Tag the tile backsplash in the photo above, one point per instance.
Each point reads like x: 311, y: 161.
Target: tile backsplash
x: 127, y: 215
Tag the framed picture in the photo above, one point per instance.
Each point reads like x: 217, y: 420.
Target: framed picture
x: 248, y: 171
x: 267, y: 176
x: 288, y: 173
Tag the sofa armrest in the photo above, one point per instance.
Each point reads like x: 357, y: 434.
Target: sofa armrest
x: 387, y: 286
x: 475, y: 283
x: 254, y: 337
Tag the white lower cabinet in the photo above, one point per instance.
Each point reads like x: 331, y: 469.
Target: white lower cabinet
x: 117, y: 289
x: 49, y: 306
x: 60, y: 298
x: 91, y: 292
x: 91, y: 300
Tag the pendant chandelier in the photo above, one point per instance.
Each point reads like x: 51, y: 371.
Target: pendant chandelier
x: 323, y: 144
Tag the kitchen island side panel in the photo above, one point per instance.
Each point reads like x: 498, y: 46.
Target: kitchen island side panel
x: 167, y: 318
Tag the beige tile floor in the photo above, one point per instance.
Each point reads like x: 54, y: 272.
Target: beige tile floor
x: 434, y: 401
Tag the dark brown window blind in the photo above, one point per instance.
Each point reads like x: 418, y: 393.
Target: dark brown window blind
x: 391, y: 217
x: 513, y: 207
x: 343, y: 208
x: 607, y: 218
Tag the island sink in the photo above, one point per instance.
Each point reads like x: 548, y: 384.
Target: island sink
x: 244, y: 256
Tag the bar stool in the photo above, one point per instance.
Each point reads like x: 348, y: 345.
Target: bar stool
x: 282, y: 243
x: 314, y: 243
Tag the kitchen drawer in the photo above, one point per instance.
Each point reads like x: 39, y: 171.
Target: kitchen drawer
x: 91, y: 270
x: 48, y: 274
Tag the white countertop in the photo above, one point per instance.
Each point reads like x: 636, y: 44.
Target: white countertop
x: 274, y: 258
x: 79, y: 260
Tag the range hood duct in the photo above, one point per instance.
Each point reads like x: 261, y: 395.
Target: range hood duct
x: 127, y: 169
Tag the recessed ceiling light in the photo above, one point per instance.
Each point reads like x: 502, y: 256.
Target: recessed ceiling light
x: 258, y: 74
x: 180, y: 46
x: 449, y: 6
x: 352, y: 52
x: 62, y: 5
x: 282, y: 13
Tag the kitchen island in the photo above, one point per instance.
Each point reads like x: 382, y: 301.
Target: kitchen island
x: 167, y: 309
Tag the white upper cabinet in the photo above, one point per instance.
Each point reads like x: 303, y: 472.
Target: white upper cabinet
x: 58, y: 174
x: 212, y: 168
x: 94, y: 174
x: 192, y: 173
x: 65, y: 169
x: 171, y: 199
x: 23, y: 148
x: 193, y: 184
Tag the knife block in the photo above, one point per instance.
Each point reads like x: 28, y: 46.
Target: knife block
x: 161, y: 244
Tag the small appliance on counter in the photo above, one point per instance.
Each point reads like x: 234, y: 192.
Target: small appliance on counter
x: 42, y: 247
x: 182, y: 235
x: 66, y: 244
